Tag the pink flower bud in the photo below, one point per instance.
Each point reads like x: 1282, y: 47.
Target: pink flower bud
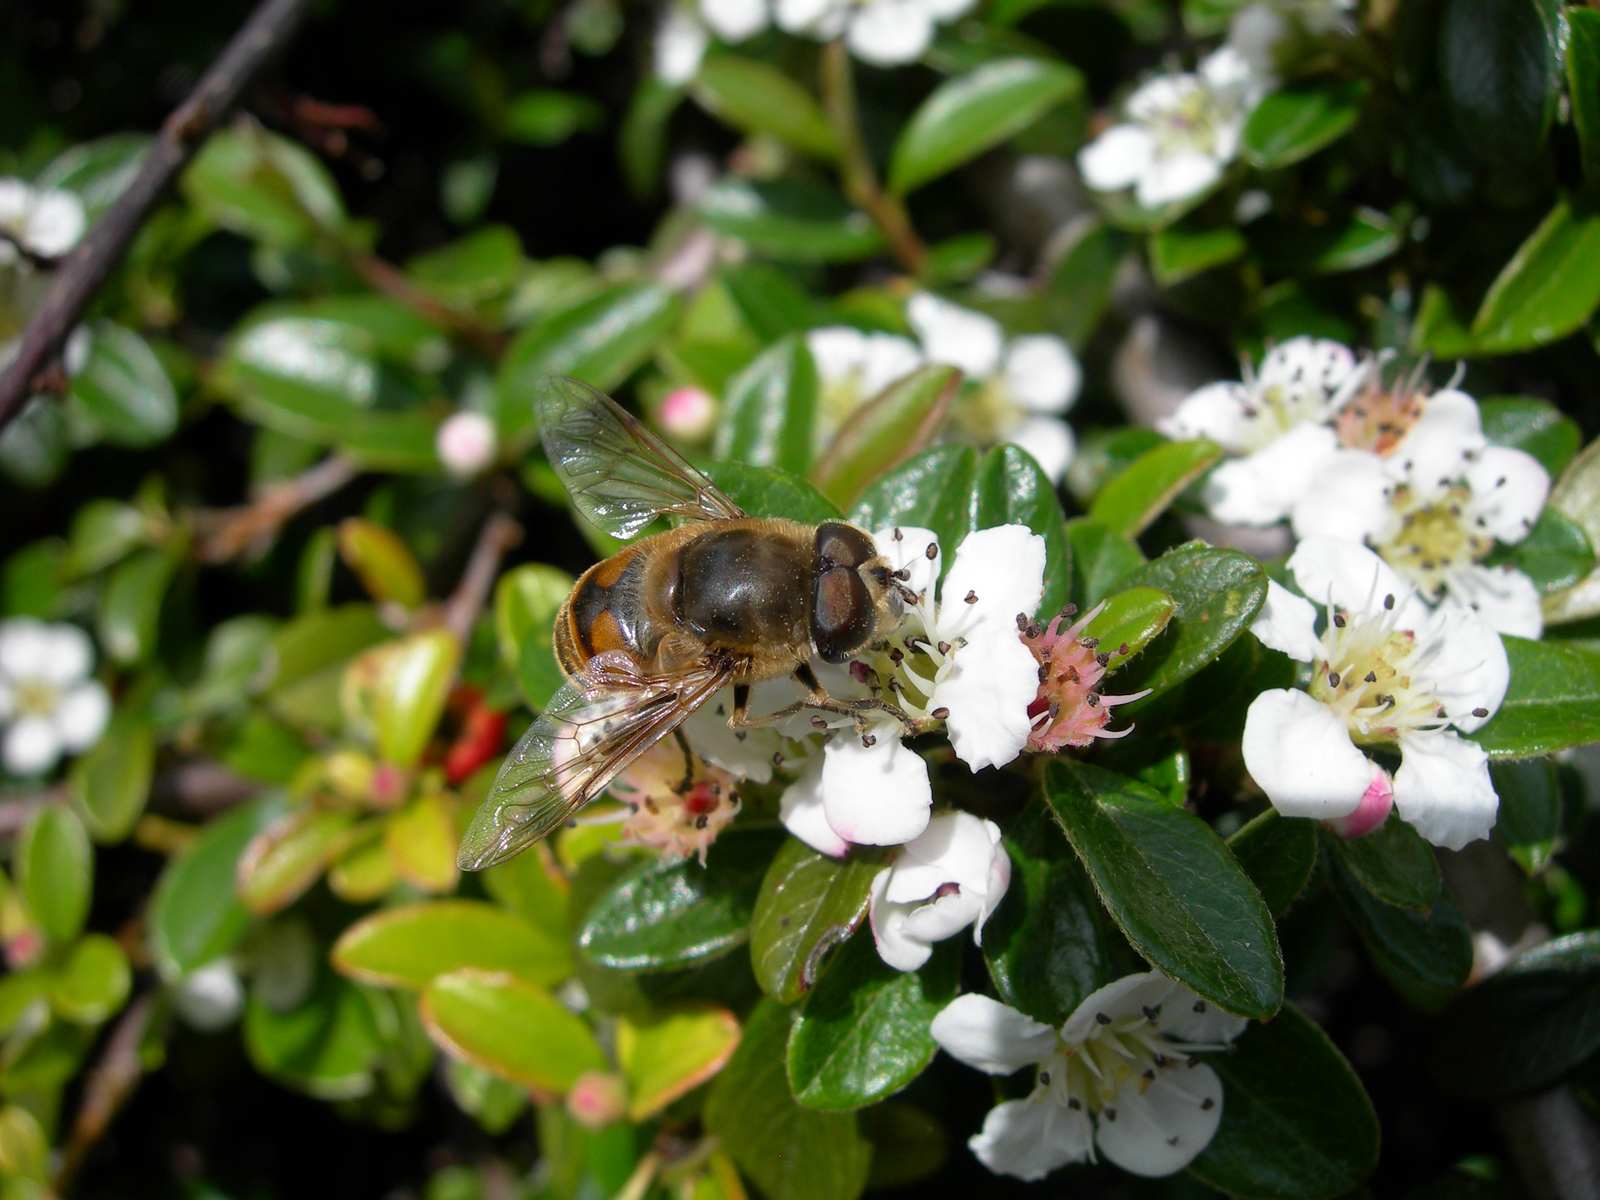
x: 688, y: 413
x: 597, y: 1099
x: 1371, y: 812
x: 466, y: 444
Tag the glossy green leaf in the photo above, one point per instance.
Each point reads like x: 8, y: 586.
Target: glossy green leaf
x: 769, y: 410
x: 1138, y: 495
x: 510, y: 1027
x: 287, y: 857
x: 1100, y: 557
x: 768, y: 299
x: 484, y: 264
x: 326, y: 1046
x: 599, y: 340
x: 410, y: 945
x: 930, y: 491
x: 808, y: 905
x: 263, y: 186
x: 1217, y: 593
x: 1500, y: 65
x: 1295, y: 122
x: 96, y: 171
x: 1576, y: 495
x: 970, y: 113
x: 1045, y: 946
x: 195, y: 916
x: 662, y: 916
x: 1393, y: 862
x: 34, y: 447
x: 103, y: 531
x: 1129, y: 622
x: 1425, y: 956
x: 124, y: 389
x: 1555, y: 554
x: 757, y: 98
x: 790, y: 220
x: 672, y: 1052
x: 881, y: 433
x: 525, y: 604
x: 1530, y: 1025
x: 1532, y: 425
x: 1553, y: 701
x: 958, y: 259
x: 94, y: 981
x: 768, y: 492
x: 1352, y: 243
x: 310, y: 654
x: 1079, y: 285
x: 130, y: 607
x: 387, y: 568
x: 791, y: 1152
x: 55, y: 871
x: 1530, y: 815
x: 1296, y: 1122
x: 1171, y: 886
x: 1178, y: 252
x: 412, y: 686
x: 422, y: 841
x: 1278, y: 853
x: 1583, y: 85
x: 1548, y: 288
x: 548, y: 117
x: 112, y: 781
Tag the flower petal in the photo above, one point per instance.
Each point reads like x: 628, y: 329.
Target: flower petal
x: 837, y: 350
x: 81, y: 715
x: 1503, y: 598
x: 887, y: 359
x: 987, y: 690
x: 820, y: 18
x: 1264, y: 486
x: 680, y: 44
x: 895, y: 945
x: 1174, y: 177
x: 68, y: 654
x: 1216, y: 411
x: 1117, y: 158
x: 801, y: 810
x: 1003, y: 569
x: 1048, y: 441
x: 24, y: 648
x: 1124, y: 997
x: 1443, y: 790
x: 1433, y: 453
x: 1509, y: 489
x: 1351, y: 577
x: 54, y: 224
x: 959, y: 336
x: 1158, y: 1129
x: 1349, y: 499
x: 1300, y: 754
x: 735, y: 20
x: 1042, y: 374
x: 1469, y: 672
x: 1028, y: 1139
x: 909, y: 552
x: 875, y: 795
x: 992, y: 1037
x: 1188, y: 1018
x: 31, y: 746
x: 1288, y: 623
x: 887, y: 33
x: 956, y: 847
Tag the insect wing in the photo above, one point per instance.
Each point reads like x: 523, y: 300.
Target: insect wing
x: 619, y: 474
x: 594, y: 726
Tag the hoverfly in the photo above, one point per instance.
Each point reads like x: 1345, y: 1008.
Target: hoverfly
x: 650, y: 634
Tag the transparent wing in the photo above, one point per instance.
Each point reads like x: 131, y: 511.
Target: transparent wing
x: 596, y: 724
x: 619, y: 474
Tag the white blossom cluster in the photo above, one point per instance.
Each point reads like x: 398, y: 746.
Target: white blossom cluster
x: 37, y: 227
x: 50, y: 703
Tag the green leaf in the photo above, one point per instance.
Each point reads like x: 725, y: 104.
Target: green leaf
x: 1529, y: 1026
x: 34, y: 447
x: 808, y: 904
x: 769, y: 300
x: 1393, y: 862
x: 863, y: 1034
x: 754, y: 97
x: 599, y: 340
x: 958, y: 259
x: 1354, y: 243
x: 1576, y: 495
x: 1296, y: 1122
x: 387, y: 568
x: 768, y: 492
x: 1100, y: 557
x: 195, y: 916
x: 525, y: 604
x: 880, y: 434
x: 485, y: 264
x: 642, y: 141
x: 1555, y: 554
x: 410, y: 945
x: 1295, y: 122
x: 327, y: 1046
x: 1143, y: 491
x: 412, y: 686
x: 103, y: 532
x: 112, y: 781
x: 290, y: 855
x: 971, y: 113
x: 1079, y: 286
x: 1553, y: 701
x: 1583, y: 86
x: 1217, y: 592
x: 123, y: 388
x: 93, y: 982
x: 769, y: 410
x: 1440, y: 327
x: 1500, y: 64
x: 55, y: 871
x: 670, y: 1053
x: 130, y: 607
x: 1171, y: 886
x: 264, y: 187
x: 1045, y: 946
x: 509, y: 1027
x: 662, y: 916
x: 1534, y: 426
x: 1179, y: 252
x: 1547, y: 289
x: 97, y: 171
x: 790, y: 220
x: 1128, y: 623
x: 1278, y: 854
x: 548, y: 117
x: 791, y: 1152
x: 1425, y: 956
x: 1530, y: 815
x: 930, y: 491
x: 1010, y: 488
x: 311, y: 653
x: 909, y: 1144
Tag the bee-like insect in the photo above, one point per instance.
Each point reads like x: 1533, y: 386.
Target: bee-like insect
x: 650, y: 634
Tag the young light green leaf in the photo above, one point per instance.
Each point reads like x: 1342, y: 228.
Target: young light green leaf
x: 757, y: 98
x: 510, y: 1027
x: 387, y: 568
x: 55, y: 871
x: 413, y: 682
x: 93, y: 982
x: 326, y: 1046
x: 130, y: 607
x: 111, y: 783
x: 883, y: 432
x: 1100, y: 557
x: 408, y: 946
x: 671, y: 1052
x: 1129, y: 622
x: 287, y: 857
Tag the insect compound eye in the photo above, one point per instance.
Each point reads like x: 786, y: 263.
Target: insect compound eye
x: 841, y: 614
x: 841, y: 545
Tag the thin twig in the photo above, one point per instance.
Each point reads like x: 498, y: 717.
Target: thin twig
x: 83, y: 271
x: 107, y: 1088
x: 229, y: 532
x: 855, y: 165
x: 384, y: 277
x: 500, y: 533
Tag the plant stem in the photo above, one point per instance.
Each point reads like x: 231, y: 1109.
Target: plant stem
x: 499, y: 534
x: 384, y: 277
x: 855, y: 166
x: 83, y: 271
x: 228, y: 532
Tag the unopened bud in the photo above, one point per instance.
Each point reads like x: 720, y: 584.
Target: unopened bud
x: 1371, y: 812
x: 688, y: 413
x: 466, y: 444
x: 597, y: 1099
x: 210, y: 997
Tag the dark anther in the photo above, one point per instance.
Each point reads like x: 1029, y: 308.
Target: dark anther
x: 898, y: 536
x: 1338, y: 620
x: 1022, y: 622
x: 971, y: 597
x: 1109, y: 1114
x: 944, y: 647
x: 1199, y: 1006
x: 1207, y: 1104
x: 1388, y: 601
x: 702, y: 821
x: 1333, y: 679
x: 1044, y: 1078
x: 1151, y: 1011
x: 869, y: 740
x: 1102, y: 1018
x: 1480, y: 712
x: 932, y: 551
x: 1074, y: 1104
x: 940, y: 713
x: 1371, y: 677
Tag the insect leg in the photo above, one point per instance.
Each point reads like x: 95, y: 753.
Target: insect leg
x: 817, y: 697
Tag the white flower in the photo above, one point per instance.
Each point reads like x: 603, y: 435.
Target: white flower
x: 465, y: 443
x: 1261, y: 32
x: 686, y: 30
x: 46, y: 223
x: 48, y: 702
x: 1119, y: 1076
x: 1275, y: 424
x: 1181, y: 131
x: 958, y: 661
x: 885, y: 33
x: 210, y: 997
x: 952, y: 875
x: 852, y: 368
x: 1024, y: 385
x: 1434, y: 507
x: 1385, y: 671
